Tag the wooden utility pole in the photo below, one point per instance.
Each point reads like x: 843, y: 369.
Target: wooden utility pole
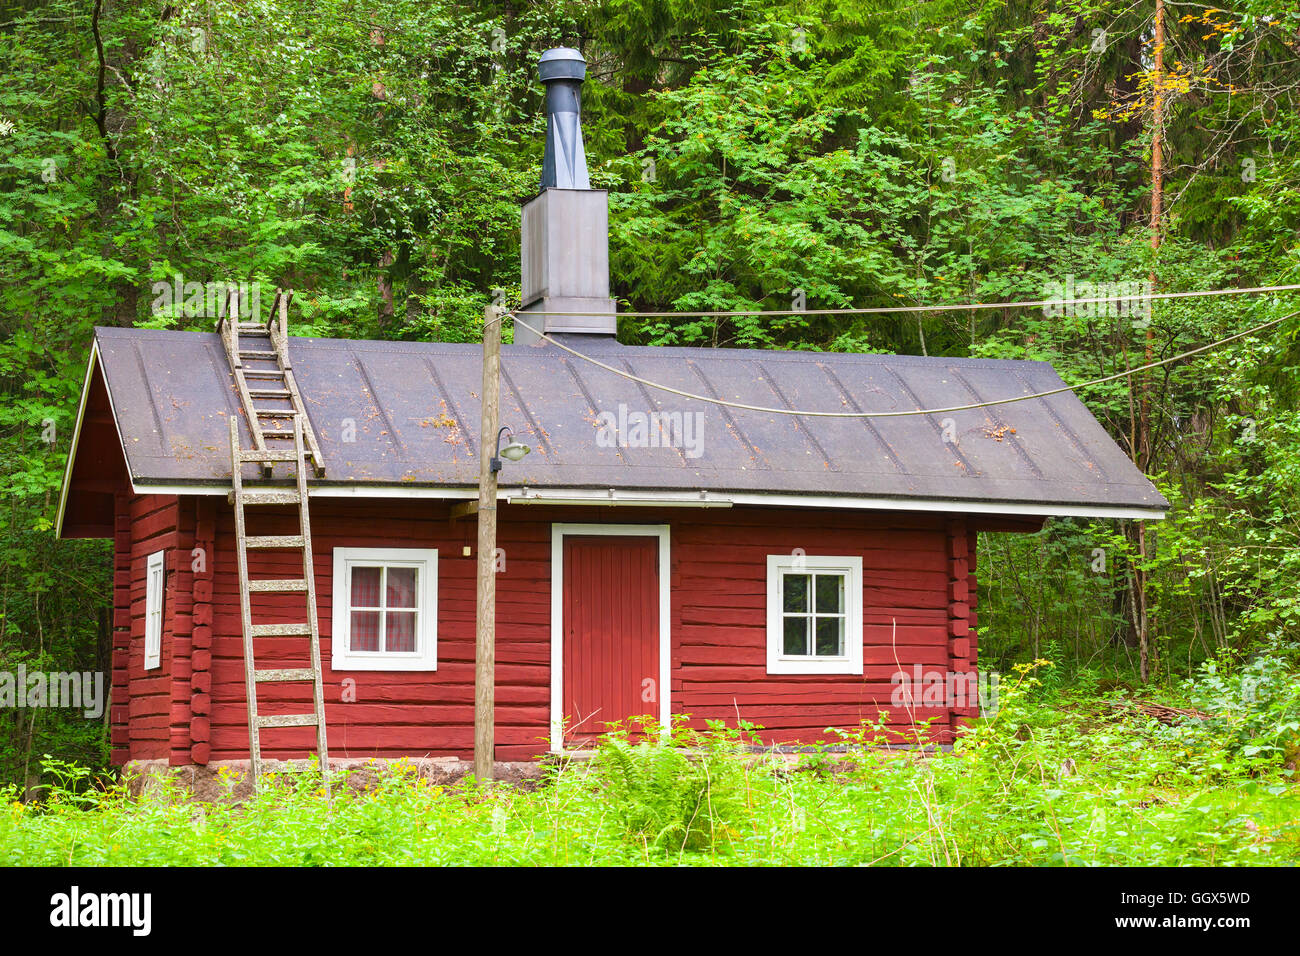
x: 485, y: 613
x: 1145, y: 450
x: 1157, y: 211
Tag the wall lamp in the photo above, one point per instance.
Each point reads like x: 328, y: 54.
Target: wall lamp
x: 514, y: 451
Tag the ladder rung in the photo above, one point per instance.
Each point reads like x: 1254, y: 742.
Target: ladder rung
x: 284, y: 674
x: 257, y: 353
x: 275, y: 413
x: 269, y: 393
x: 281, y: 630
x: 287, y: 720
x: 256, y: 330
x: 265, y: 541
x: 267, y: 497
x: 262, y: 372
x: 278, y: 434
x: 278, y: 585
x: 268, y: 455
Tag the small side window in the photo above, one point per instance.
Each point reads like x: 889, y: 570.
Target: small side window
x: 155, y: 587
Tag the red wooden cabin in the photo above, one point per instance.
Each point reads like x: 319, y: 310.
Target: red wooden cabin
x: 631, y: 580
x: 660, y: 554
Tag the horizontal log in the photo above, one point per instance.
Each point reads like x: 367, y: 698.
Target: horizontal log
x: 341, y: 715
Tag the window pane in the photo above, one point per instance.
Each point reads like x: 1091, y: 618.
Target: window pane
x: 399, y: 631
x: 795, y: 590
x: 830, y: 594
x: 830, y: 637
x: 400, y: 587
x: 365, y: 630
x: 796, y: 636
x: 365, y: 587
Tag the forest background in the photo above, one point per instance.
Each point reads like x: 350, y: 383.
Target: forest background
x: 373, y: 157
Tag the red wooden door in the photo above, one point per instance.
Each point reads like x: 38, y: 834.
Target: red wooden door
x: 611, y: 632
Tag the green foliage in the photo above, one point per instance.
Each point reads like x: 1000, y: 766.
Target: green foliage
x: 373, y: 158
x: 679, y: 789
x: 1254, y: 706
x: 1071, y: 783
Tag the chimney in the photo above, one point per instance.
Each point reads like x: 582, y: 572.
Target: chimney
x: 564, y: 235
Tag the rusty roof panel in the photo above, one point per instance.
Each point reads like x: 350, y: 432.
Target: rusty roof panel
x: 404, y: 413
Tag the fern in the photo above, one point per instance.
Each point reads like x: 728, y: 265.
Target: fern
x: 676, y: 791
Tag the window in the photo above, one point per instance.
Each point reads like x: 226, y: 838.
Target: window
x: 155, y: 585
x: 385, y: 609
x: 814, y: 614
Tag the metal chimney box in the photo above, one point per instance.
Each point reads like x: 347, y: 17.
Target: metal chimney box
x: 564, y: 232
x: 565, y: 263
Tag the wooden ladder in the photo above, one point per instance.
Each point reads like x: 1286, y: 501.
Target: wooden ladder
x: 264, y: 379
x: 242, y: 497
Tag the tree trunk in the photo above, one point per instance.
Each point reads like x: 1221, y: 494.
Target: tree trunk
x: 118, y: 182
x: 386, y: 307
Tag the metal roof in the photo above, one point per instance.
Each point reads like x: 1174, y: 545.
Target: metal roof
x: 412, y: 412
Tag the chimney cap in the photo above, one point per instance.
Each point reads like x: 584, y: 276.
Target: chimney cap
x: 562, y: 63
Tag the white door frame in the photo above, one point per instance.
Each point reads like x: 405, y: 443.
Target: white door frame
x: 558, y: 532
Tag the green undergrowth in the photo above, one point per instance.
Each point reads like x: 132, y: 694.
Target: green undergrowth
x: 1051, y: 778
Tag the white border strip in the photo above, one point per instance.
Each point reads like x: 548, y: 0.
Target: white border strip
x: 558, y: 531
x: 697, y: 499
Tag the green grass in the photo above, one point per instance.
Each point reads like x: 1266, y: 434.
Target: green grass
x: 1050, y: 780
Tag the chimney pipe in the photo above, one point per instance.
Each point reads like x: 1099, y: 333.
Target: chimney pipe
x: 565, y: 164
x: 564, y: 234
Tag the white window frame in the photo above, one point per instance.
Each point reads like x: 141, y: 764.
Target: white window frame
x: 155, y: 577
x: 848, y: 565
x: 425, y: 655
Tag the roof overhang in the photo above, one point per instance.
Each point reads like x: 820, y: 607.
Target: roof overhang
x: 91, y: 365
x: 632, y: 497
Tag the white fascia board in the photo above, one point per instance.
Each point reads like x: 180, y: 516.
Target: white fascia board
x: 698, y: 499
x: 612, y: 496
x: 317, y: 491
x: 953, y: 506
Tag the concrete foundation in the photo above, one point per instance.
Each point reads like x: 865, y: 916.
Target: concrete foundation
x: 229, y: 779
